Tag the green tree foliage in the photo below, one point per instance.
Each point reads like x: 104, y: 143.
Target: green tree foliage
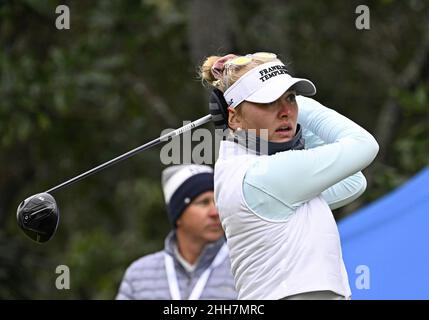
x: 126, y: 70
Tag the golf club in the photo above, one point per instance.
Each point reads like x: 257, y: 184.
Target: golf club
x: 38, y: 215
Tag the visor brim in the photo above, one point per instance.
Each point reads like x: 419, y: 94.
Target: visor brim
x: 277, y: 87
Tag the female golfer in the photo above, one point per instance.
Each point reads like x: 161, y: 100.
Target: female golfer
x: 275, y: 205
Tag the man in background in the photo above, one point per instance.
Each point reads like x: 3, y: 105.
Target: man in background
x: 194, y: 263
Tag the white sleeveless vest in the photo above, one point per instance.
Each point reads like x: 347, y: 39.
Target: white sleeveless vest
x: 273, y: 260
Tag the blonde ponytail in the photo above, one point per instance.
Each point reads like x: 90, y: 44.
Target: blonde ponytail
x: 214, y: 73
x: 206, y: 74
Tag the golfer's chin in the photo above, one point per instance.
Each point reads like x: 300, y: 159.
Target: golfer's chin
x: 279, y: 136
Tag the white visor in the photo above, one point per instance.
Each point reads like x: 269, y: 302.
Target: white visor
x: 265, y: 84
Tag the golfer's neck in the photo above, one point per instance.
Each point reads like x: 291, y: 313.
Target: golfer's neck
x: 189, y: 249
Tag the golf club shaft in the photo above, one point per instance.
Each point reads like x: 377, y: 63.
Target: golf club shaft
x: 166, y: 137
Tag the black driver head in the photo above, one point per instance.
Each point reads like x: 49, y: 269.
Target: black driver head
x: 38, y: 217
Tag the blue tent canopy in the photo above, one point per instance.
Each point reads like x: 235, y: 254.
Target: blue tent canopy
x: 387, y: 243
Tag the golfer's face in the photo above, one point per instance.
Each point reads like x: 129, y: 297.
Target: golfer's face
x: 279, y: 118
x: 200, y: 219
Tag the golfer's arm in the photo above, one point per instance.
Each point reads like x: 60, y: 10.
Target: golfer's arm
x: 294, y: 177
x: 345, y: 191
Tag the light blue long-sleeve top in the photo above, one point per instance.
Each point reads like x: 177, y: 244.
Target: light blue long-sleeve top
x: 292, y: 178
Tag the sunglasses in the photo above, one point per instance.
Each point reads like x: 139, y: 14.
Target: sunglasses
x: 243, y: 60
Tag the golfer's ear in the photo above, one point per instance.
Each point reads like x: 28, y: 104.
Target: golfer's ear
x: 234, y: 118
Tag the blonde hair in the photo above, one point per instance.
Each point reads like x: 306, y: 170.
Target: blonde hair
x: 230, y: 74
